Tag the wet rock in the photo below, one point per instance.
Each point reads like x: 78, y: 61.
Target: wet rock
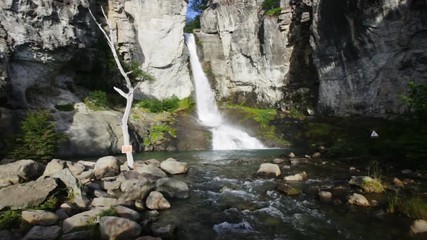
x: 39, y: 217
x: 104, y: 202
x: 288, y: 190
x: 43, y: 233
x: 164, y: 231
x: 172, y: 188
x: 118, y: 228
x: 107, y: 167
x: 316, y: 155
x: 297, y: 177
x: 268, y: 170
x: 296, y: 161
x: 156, y: 201
x: 325, y: 196
x: 20, y: 171
x: 358, y: 200
x: 128, y: 213
x: 278, y: 160
x: 172, y: 166
x: 26, y: 195
x: 291, y: 155
x: 81, y: 221
x: 419, y: 226
x: 398, y: 183
x: 367, y: 184
x: 406, y: 171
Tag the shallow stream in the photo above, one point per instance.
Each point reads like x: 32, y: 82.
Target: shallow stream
x: 228, y: 201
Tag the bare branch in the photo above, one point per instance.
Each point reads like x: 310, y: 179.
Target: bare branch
x: 121, y: 92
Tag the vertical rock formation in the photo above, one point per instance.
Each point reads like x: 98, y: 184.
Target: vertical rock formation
x: 151, y: 32
x: 366, y: 52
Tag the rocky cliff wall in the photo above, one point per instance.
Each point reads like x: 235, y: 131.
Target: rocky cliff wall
x: 366, y: 52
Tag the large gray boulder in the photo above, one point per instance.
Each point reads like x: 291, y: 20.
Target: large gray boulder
x: 108, y: 166
x: 79, y: 196
x: 81, y: 221
x: 39, y: 217
x: 20, y: 171
x: 118, y: 228
x: 26, y: 195
x: 156, y: 201
x: 172, y: 166
x: 172, y: 188
x: 269, y: 170
x: 43, y: 233
x: 134, y: 189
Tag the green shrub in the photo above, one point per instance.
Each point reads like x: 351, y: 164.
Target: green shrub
x: 156, y: 106
x: 186, y: 104
x: 10, y: 219
x: 417, y: 99
x: 157, y: 133
x: 413, y: 207
x: 39, y: 139
x: 270, y: 4
x: 97, y: 100
x: 274, y: 11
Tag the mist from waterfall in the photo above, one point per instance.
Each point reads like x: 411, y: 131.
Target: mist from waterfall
x: 224, y: 136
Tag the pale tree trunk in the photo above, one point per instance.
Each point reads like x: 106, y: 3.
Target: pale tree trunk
x: 129, y: 95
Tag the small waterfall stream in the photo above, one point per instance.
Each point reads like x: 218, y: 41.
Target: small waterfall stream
x: 224, y: 136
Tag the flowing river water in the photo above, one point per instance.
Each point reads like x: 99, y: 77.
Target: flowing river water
x: 228, y: 201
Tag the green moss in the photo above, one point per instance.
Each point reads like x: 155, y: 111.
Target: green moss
x: 413, y: 207
x: 10, y: 219
x: 261, y: 116
x: 97, y: 100
x: 157, y: 134
x: 274, y: 12
x: 50, y: 204
x: 109, y: 212
x: 373, y: 186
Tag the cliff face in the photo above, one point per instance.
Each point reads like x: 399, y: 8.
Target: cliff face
x: 151, y: 32
x: 366, y: 52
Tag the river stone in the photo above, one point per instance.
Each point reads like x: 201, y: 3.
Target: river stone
x: 297, y: 177
x: 81, y: 221
x: 107, y: 167
x: 39, y: 217
x: 359, y: 200
x: 288, y: 190
x: 278, y: 160
x: 325, y: 196
x: 150, y: 169
x: 43, y: 233
x: 26, y: 195
x: 134, y: 189
x: 54, y: 167
x: 104, y: 202
x: 20, y: 171
x: 291, y: 155
x: 419, y: 226
x: 128, y: 213
x: 172, y: 188
x: 86, y: 176
x: 269, y: 170
x: 118, y: 228
x: 296, y: 161
x: 155, y: 200
x: 172, y: 166
x: 162, y: 230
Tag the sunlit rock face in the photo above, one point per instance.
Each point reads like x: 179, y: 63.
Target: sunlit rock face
x: 37, y: 39
x: 151, y: 32
x: 244, y: 53
x: 366, y: 52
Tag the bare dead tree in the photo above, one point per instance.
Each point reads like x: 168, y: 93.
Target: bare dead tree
x: 127, y: 147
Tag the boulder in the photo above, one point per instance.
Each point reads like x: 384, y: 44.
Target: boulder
x: 151, y: 170
x: 135, y: 190
x: 368, y: 184
x: 296, y: 178
x: 27, y: 195
x: 79, y: 196
x: 118, y: 228
x: 107, y: 167
x: 172, y: 166
x: 43, y: 233
x: 104, y: 202
x: 288, y: 190
x: 155, y: 200
x: 296, y: 161
x: 278, y: 160
x: 81, y: 221
x: 172, y: 188
x: 20, y: 171
x: 39, y: 217
x: 54, y: 167
x: 419, y: 226
x: 80, y: 235
x: 128, y: 213
x: 268, y: 170
x: 358, y: 200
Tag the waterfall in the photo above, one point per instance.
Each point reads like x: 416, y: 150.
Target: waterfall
x: 224, y: 136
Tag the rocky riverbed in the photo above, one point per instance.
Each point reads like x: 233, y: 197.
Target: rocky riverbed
x: 268, y: 194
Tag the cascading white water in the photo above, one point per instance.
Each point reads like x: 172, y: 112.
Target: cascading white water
x: 224, y: 137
